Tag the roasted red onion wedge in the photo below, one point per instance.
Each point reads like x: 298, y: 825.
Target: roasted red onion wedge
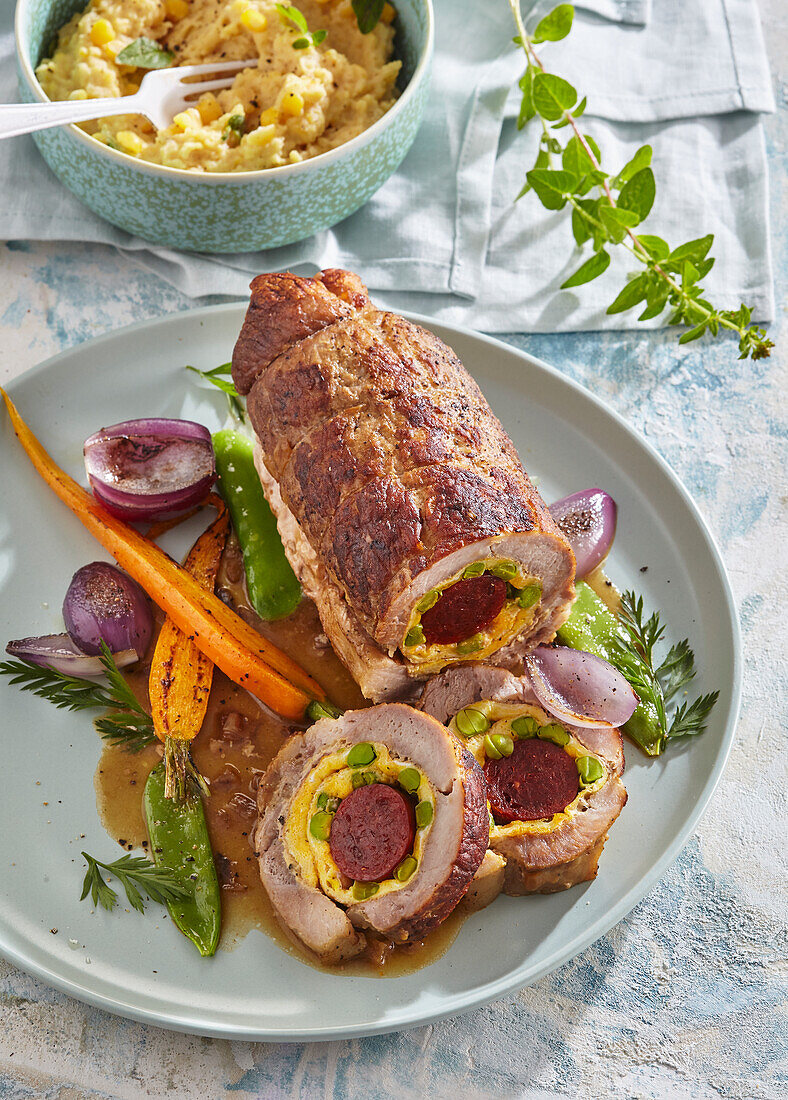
x: 150, y: 469
x: 104, y: 603
x: 588, y: 519
x: 579, y: 688
x: 57, y: 651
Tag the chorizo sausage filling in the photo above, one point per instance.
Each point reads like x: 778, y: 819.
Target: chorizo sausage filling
x: 538, y: 774
x: 359, y: 823
x: 472, y: 614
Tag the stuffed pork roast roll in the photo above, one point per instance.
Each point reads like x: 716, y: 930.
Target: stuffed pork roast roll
x: 373, y: 821
x: 400, y: 499
x: 554, y: 790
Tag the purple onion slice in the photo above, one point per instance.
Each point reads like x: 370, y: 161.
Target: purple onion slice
x: 588, y: 519
x: 57, y: 651
x: 104, y: 603
x: 150, y: 469
x: 579, y: 688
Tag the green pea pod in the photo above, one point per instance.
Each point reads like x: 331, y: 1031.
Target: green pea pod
x: 273, y: 587
x: 593, y: 627
x: 179, y: 841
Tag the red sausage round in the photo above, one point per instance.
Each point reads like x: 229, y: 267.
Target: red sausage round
x: 372, y: 831
x: 538, y: 780
x: 464, y: 609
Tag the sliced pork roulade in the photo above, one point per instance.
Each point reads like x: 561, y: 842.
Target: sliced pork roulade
x: 401, y: 501
x: 376, y: 821
x: 554, y: 790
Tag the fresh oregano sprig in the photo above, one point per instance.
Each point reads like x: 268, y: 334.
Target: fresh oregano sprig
x: 607, y: 208
x: 136, y: 875
x: 307, y: 38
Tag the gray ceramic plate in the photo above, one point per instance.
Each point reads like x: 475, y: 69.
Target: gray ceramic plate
x: 140, y: 967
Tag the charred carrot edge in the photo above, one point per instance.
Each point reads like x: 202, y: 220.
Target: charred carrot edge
x: 234, y: 646
x: 180, y: 674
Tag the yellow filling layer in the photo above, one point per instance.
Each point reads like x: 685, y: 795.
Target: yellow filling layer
x: 501, y: 716
x: 511, y: 620
x: 333, y: 777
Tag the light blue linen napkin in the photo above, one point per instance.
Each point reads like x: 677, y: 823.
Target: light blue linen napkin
x: 443, y: 235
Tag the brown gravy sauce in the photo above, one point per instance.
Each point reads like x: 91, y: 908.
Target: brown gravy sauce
x: 239, y: 737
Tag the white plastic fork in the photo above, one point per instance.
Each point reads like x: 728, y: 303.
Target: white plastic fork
x: 163, y: 93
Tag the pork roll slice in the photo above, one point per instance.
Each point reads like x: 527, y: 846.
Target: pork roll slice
x: 554, y: 790
x: 375, y: 822
x: 401, y: 500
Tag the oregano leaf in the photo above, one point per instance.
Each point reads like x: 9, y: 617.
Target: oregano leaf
x: 552, y: 96
x: 635, y: 291
x: 655, y: 246
x: 555, y: 26
x: 641, y: 159
x: 693, y: 334
x: 591, y: 269
x: 368, y: 13
x: 638, y: 194
x: 693, y: 250
x: 527, y: 109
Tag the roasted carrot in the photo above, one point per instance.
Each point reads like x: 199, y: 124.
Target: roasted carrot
x: 234, y: 646
x: 181, y: 675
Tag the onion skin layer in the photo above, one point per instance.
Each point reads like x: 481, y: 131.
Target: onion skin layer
x: 140, y: 451
x: 104, y: 604
x: 588, y: 520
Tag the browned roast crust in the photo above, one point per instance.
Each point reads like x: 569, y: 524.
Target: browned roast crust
x: 518, y: 882
x: 387, y: 455
x: 283, y: 309
x: 346, y: 285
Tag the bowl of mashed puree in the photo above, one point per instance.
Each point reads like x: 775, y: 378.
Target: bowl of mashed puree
x: 304, y: 135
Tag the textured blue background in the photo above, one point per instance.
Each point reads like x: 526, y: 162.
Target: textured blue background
x: 687, y: 996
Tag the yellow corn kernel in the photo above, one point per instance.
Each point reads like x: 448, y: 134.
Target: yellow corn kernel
x: 78, y: 93
x: 129, y: 142
x: 101, y: 32
x: 388, y: 14
x: 292, y: 104
x: 113, y: 48
x: 186, y: 120
x: 269, y: 116
x: 176, y: 9
x: 253, y: 20
x: 209, y: 108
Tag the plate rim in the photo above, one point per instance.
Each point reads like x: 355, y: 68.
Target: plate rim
x: 514, y: 980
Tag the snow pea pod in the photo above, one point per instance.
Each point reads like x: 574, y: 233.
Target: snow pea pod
x: 179, y: 841
x: 594, y: 628
x: 273, y: 588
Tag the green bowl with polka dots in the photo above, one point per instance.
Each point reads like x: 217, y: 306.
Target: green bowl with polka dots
x: 224, y: 211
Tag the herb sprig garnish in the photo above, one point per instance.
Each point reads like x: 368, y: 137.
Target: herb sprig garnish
x: 127, y: 725
x: 660, y: 683
x: 606, y: 208
x: 298, y: 19
x: 218, y: 377
x: 136, y: 875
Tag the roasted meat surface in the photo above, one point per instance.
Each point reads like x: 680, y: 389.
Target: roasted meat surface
x: 387, y: 470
